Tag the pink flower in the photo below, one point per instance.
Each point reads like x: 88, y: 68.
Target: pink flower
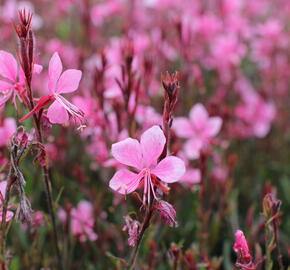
x: 242, y: 249
x: 13, y: 83
x: 6, y: 130
x: 59, y: 83
x: 199, y: 129
x: 82, y: 221
x: 143, y: 157
x: 255, y: 111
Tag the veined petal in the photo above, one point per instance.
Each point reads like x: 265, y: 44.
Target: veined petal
x: 68, y: 81
x: 5, y: 86
x: 128, y: 152
x: 8, y: 66
x: 182, y: 127
x: 54, y: 71
x: 73, y: 110
x: 169, y: 169
x: 57, y: 114
x: 152, y: 144
x: 125, y: 181
x: 198, y: 116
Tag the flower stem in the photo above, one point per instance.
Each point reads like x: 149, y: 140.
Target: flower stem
x: 145, y: 225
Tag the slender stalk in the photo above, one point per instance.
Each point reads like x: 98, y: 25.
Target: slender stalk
x: 3, y: 223
x: 145, y: 225
x: 47, y: 180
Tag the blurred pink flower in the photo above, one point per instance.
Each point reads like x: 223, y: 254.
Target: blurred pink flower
x: 199, y: 129
x: 256, y: 112
x: 59, y: 83
x: 9, y: 214
x: 143, y: 157
x: 82, y: 221
x: 6, y: 130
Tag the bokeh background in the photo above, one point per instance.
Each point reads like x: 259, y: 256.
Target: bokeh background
x: 232, y: 56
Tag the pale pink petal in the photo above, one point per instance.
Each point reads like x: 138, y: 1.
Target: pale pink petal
x: 199, y: 116
x: 192, y: 148
x: 5, y: 86
x: 37, y: 68
x: 125, y: 181
x: 191, y: 176
x: 128, y: 152
x: 152, y: 144
x: 261, y: 129
x: 57, y: 114
x: 3, y: 186
x: 68, y: 81
x: 8, y: 66
x: 54, y: 71
x: 213, y: 127
x: 182, y: 127
x: 169, y: 169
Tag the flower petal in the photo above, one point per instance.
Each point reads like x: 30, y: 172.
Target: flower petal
x: 198, y: 116
x: 125, y: 181
x: 5, y: 86
x: 192, y: 148
x: 8, y: 66
x: 169, y: 169
x: 69, y: 81
x: 37, y: 68
x: 57, y: 114
x: 128, y: 152
x: 152, y: 144
x: 191, y: 176
x: 214, y: 125
x: 182, y: 127
x: 3, y: 185
x: 54, y: 71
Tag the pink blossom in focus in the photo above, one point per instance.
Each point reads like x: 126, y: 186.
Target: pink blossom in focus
x: 59, y: 83
x: 6, y: 130
x: 199, y: 129
x: 143, y: 157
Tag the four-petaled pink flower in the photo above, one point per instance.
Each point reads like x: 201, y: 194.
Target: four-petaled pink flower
x: 59, y: 83
x: 199, y: 129
x: 13, y: 83
x: 143, y: 157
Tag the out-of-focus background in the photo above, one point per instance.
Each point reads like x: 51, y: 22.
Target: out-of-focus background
x: 233, y: 57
